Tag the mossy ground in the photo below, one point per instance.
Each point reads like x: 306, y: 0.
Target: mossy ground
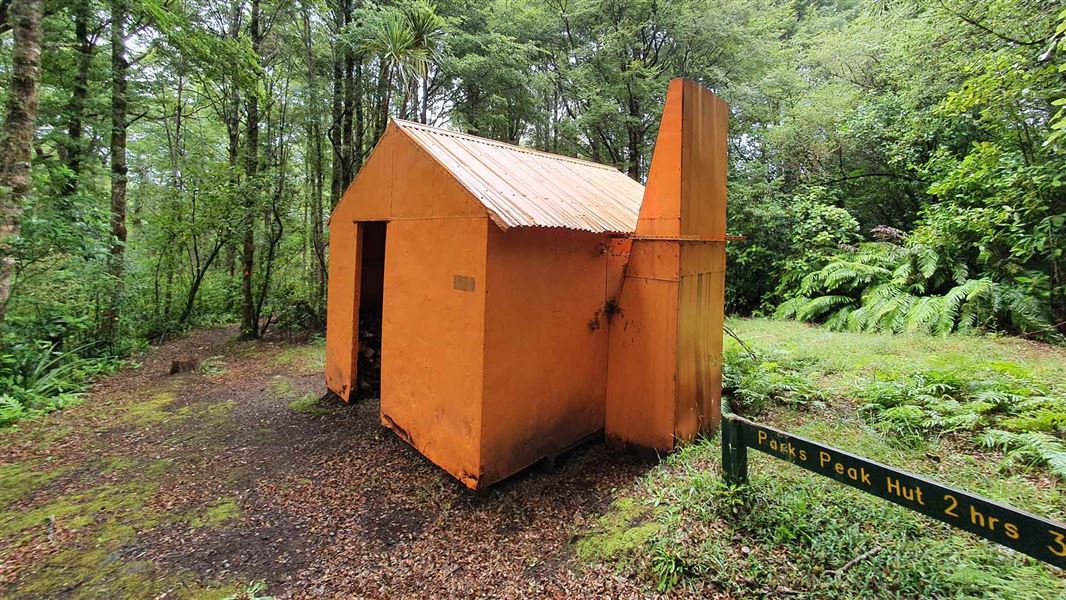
x: 98, y: 485
x: 309, y: 356
x: 625, y: 528
x: 316, y: 405
x: 218, y: 513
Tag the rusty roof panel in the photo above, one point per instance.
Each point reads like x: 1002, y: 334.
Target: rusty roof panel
x: 522, y: 187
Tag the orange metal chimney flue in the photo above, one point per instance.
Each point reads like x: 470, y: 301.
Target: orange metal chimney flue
x: 665, y: 356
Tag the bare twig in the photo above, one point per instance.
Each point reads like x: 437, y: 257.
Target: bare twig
x: 733, y: 335
x: 851, y: 563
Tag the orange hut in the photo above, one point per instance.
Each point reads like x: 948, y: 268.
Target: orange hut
x: 515, y: 321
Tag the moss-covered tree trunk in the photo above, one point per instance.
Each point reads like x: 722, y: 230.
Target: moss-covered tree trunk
x: 16, y: 137
x: 249, y: 318
x: 119, y: 124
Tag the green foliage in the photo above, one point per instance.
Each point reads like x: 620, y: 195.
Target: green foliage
x: 251, y: 591
x: 1031, y: 449
x: 37, y: 378
x: 912, y: 288
x: 907, y: 402
x: 753, y: 384
x: 914, y: 405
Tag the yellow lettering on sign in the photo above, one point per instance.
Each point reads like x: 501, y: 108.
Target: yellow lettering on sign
x: 907, y: 493
x: 762, y: 437
x: 823, y: 457
x: 1059, y: 549
x: 1012, y: 530
x: 951, y: 509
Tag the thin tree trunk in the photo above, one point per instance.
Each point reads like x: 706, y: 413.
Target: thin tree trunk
x: 337, y: 124
x: 347, y: 143
x: 424, y: 117
x: 249, y: 326
x: 314, y: 172
x: 198, y: 279
x: 360, y: 120
x: 78, y: 98
x: 119, y: 108
x: 16, y: 137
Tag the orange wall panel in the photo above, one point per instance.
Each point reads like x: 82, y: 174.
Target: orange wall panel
x: 422, y: 188
x: 664, y: 370
x: 701, y: 297
x: 545, y: 345
x: 433, y: 345
x: 342, y: 306
x: 705, y: 160
x: 642, y: 365
x: 397, y: 168
x: 660, y: 212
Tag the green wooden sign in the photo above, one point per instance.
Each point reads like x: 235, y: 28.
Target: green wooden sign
x: 1036, y: 536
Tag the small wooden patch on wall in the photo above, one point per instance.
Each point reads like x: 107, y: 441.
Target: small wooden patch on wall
x: 463, y: 283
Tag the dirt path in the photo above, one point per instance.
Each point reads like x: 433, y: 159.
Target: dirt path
x: 164, y: 486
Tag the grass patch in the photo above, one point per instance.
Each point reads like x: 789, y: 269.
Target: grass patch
x: 213, y: 366
x: 310, y: 356
x: 148, y: 411
x: 999, y: 394
x: 16, y: 481
x: 281, y: 386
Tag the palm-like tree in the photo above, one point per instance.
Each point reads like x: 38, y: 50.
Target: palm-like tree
x: 405, y: 44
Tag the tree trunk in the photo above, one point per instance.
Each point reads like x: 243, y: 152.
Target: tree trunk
x: 424, y: 117
x: 16, y: 138
x: 75, y: 146
x: 360, y: 121
x: 249, y: 325
x: 314, y: 170
x: 347, y: 142
x: 119, y: 107
x: 337, y: 124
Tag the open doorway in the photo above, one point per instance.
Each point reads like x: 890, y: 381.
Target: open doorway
x: 371, y: 296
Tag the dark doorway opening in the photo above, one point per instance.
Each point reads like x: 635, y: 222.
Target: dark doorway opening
x: 371, y: 296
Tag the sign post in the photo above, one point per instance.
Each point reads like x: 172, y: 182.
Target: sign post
x: 1030, y: 534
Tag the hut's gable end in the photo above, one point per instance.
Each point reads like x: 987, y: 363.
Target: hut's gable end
x: 523, y: 187
x: 401, y: 180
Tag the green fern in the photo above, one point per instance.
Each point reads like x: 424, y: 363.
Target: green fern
x: 883, y: 287
x: 1031, y: 449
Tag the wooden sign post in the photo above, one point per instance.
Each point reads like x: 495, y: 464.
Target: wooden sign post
x: 1030, y: 534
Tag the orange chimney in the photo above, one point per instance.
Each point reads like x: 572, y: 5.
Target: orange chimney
x: 665, y: 359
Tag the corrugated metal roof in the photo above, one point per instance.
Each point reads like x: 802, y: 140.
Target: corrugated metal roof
x: 522, y: 187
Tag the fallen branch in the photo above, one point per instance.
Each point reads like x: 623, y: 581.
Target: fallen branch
x: 851, y: 563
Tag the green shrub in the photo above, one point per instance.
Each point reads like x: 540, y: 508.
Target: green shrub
x: 754, y: 382
x: 885, y: 287
x: 36, y: 378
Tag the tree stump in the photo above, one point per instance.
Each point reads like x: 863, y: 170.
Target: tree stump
x: 184, y: 365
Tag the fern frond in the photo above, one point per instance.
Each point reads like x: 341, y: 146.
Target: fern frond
x: 818, y: 307
x: 789, y: 308
x: 925, y: 314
